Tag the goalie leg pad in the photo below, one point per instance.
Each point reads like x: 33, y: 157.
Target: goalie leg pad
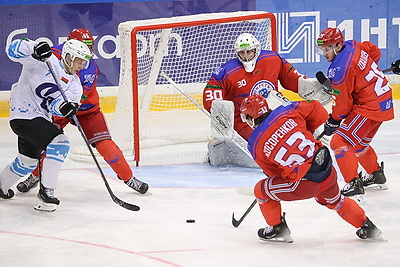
x: 222, y: 112
x: 217, y: 152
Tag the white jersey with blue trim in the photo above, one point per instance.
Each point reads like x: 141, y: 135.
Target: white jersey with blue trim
x: 36, y: 94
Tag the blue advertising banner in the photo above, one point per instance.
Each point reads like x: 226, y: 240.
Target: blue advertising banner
x: 53, y: 22
x: 298, y: 25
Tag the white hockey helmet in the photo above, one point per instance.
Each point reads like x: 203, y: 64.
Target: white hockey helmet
x: 76, y: 49
x: 247, y: 42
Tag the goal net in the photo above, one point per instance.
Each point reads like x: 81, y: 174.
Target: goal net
x: 153, y: 122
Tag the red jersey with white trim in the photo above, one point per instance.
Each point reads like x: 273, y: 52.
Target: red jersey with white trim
x: 231, y: 82
x: 88, y: 78
x: 359, y: 83
x: 283, y: 144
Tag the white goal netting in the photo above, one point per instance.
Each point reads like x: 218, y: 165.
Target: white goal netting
x: 153, y: 122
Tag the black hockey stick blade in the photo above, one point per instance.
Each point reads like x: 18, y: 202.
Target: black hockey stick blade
x: 124, y: 204
x: 235, y: 222
x: 324, y: 81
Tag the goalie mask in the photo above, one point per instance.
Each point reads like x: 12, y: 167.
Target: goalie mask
x: 252, y: 108
x: 74, y: 49
x: 247, y: 49
x: 84, y: 36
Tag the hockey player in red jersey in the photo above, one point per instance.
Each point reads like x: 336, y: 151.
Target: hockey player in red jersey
x: 297, y: 165
x: 362, y: 101
x: 92, y: 122
x: 253, y: 71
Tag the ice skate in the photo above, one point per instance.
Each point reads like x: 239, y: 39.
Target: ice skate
x: 355, y: 190
x: 376, y: 180
x: 9, y: 194
x: 369, y: 231
x: 48, y: 201
x: 276, y: 233
x: 137, y: 185
x: 29, y: 183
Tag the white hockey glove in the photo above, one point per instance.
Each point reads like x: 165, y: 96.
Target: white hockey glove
x: 311, y: 89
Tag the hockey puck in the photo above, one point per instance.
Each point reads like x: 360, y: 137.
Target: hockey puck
x: 190, y: 221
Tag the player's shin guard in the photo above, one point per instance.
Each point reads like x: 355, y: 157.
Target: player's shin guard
x: 270, y: 209
x: 56, y: 152
x: 345, y: 157
x: 112, y: 154
x: 21, y: 166
x: 350, y: 211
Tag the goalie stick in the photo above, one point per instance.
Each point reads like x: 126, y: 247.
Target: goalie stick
x: 113, y: 197
x: 237, y: 139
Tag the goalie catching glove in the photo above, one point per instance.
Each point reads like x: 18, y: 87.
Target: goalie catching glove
x: 331, y: 125
x: 41, y: 51
x: 68, y: 109
x: 396, y: 67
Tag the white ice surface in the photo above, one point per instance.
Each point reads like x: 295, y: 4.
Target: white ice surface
x: 88, y: 229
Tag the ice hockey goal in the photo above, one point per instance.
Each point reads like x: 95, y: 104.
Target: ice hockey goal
x: 153, y: 122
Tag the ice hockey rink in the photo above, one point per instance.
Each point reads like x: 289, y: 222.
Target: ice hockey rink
x: 89, y: 229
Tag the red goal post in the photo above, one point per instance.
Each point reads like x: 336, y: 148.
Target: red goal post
x: 149, y: 112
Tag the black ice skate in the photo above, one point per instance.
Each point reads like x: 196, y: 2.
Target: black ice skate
x: 376, y: 180
x: 137, y: 185
x: 31, y: 182
x: 369, y: 231
x: 9, y: 194
x: 277, y: 233
x: 48, y: 201
x: 355, y: 190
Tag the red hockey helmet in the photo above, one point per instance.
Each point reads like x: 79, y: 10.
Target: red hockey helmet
x: 330, y: 36
x: 82, y: 35
x: 254, y: 106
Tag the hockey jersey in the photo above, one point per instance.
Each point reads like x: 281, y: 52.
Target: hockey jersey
x: 88, y: 78
x: 36, y: 94
x: 283, y: 144
x: 231, y: 82
x: 359, y: 83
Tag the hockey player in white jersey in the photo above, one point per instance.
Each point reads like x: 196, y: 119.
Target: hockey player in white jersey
x: 33, y: 101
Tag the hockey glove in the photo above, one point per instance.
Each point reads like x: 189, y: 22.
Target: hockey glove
x: 396, y: 67
x: 41, y: 51
x: 331, y: 125
x: 68, y: 109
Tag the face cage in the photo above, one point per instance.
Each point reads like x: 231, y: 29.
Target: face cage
x: 254, y: 50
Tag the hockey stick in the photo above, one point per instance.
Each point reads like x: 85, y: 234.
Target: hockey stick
x: 216, y: 119
x: 75, y: 120
x: 235, y: 222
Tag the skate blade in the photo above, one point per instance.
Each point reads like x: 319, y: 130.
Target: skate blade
x: 377, y: 237
x: 281, y: 239
x: 376, y: 187
x: 48, y: 207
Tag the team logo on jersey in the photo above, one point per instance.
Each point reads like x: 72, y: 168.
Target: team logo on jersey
x: 89, y: 78
x: 262, y: 88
